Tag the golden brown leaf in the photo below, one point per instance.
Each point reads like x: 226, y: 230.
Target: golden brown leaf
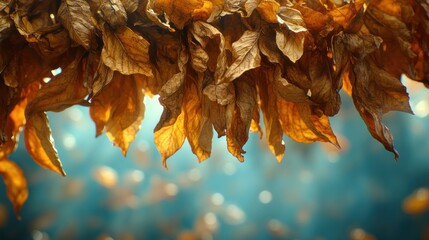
x: 295, y: 113
x: 76, y: 18
x: 314, y: 21
x: 291, y: 44
x: 125, y: 51
x: 246, y: 56
x: 214, y: 107
x: 268, y: 10
x: 62, y: 91
x: 290, y: 37
x: 324, y: 87
x: 102, y: 77
x: 375, y: 93
x: 197, y: 125
x: 119, y: 114
x: 302, y: 126
x: 113, y: 12
x: 179, y: 12
x: 211, y: 41
x: 16, y: 184
x: 291, y: 19
x: 268, y: 47
x: 267, y: 97
x: 169, y: 132
x: 130, y: 5
x: 39, y: 143
x: 345, y: 14
x: 238, y: 128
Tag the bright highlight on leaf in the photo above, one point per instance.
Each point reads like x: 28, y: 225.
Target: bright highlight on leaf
x: 215, y: 64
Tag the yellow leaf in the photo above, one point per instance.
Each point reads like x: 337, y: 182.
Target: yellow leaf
x: 118, y: 113
x: 39, y: 143
x: 197, y: 125
x: 267, y: 97
x: 299, y: 124
x: 125, y: 51
x: 170, y: 138
x: 16, y: 184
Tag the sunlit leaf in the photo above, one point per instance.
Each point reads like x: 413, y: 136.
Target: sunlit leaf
x: 119, y: 114
x: 170, y: 138
x: 197, y: 125
x: 39, y: 143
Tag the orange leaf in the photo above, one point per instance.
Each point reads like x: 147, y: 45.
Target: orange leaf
x: 118, y: 113
x: 39, y: 143
x: 268, y: 10
x: 170, y: 138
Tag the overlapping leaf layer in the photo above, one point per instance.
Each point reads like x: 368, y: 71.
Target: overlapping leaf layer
x: 216, y: 65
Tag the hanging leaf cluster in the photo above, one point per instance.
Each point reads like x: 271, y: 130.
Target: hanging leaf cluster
x: 218, y: 66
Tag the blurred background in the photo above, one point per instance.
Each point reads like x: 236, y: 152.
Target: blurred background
x: 317, y: 192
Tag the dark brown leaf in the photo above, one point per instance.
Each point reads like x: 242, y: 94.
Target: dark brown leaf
x: 375, y: 93
x: 77, y: 19
x: 113, y: 12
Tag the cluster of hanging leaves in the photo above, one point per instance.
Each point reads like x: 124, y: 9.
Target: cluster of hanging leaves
x: 215, y: 64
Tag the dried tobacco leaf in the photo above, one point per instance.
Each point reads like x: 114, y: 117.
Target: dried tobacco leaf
x: 203, y: 58
x: 196, y: 124
x: 62, y: 91
x: 268, y: 10
x: 245, y: 54
x: 169, y: 133
x: 125, y: 51
x: 291, y: 40
x: 268, y: 105
x: 375, y: 93
x: 119, y: 114
x: 113, y: 12
x: 77, y: 19
x: 238, y: 127
x: 39, y: 143
x: 170, y: 138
